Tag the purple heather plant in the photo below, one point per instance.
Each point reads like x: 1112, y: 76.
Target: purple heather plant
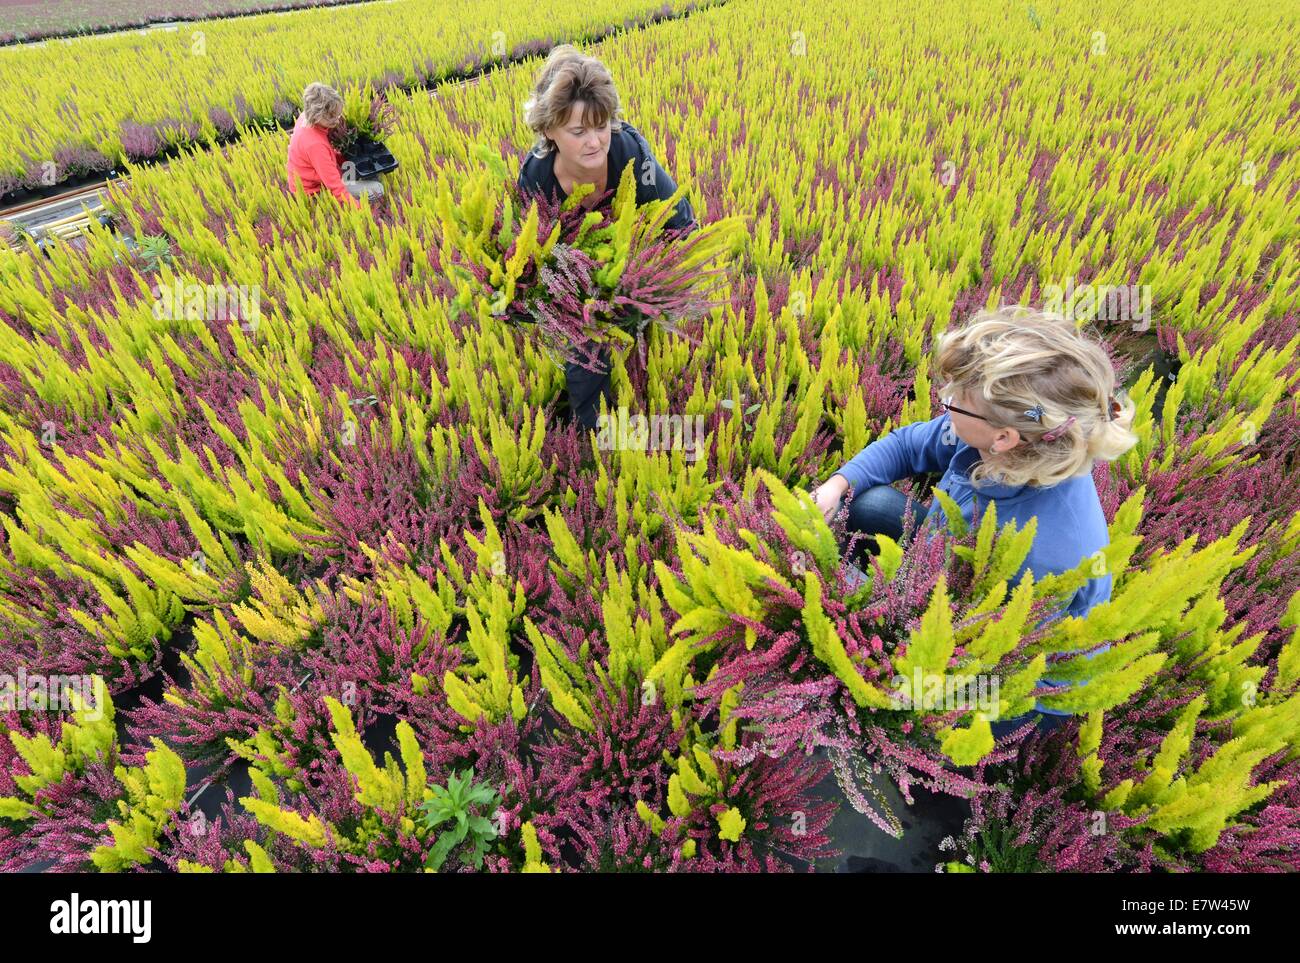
x: 9, y: 183
x: 49, y: 641
x: 79, y: 160
x: 194, y: 838
x: 72, y: 823
x: 71, y: 812
x: 197, y: 723
x: 618, y: 763
x: 223, y: 121
x: 140, y: 142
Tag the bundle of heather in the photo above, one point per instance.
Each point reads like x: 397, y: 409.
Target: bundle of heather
x: 588, y: 280
x: 1197, y: 771
x: 366, y: 115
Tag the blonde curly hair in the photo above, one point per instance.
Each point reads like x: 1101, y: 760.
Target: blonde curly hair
x: 1021, y: 359
x: 322, y: 105
x: 568, y: 76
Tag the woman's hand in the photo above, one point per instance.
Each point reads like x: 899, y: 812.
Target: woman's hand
x: 829, y: 493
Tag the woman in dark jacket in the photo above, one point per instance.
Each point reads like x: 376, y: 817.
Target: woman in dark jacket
x: 582, y: 139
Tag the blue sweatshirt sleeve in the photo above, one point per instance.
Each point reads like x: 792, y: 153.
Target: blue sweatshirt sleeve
x: 923, y: 446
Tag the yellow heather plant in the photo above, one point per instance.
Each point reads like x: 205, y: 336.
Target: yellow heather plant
x: 697, y: 785
x: 407, y: 596
x: 485, y: 687
x: 635, y: 646
x: 136, y: 78
x: 393, y: 790
x: 532, y: 851
x: 514, y: 460
x: 88, y: 736
x: 153, y: 795
x: 1193, y: 802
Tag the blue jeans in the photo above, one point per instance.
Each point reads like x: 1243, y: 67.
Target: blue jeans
x: 1047, y: 721
x: 879, y: 511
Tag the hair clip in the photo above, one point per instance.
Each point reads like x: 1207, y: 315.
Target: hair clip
x: 1035, y: 412
x: 1059, y: 430
x: 1116, y: 409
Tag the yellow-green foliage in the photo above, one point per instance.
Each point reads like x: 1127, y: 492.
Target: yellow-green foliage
x: 264, y: 749
x: 1146, y: 605
x: 798, y: 515
x: 514, y: 460
x: 89, y: 736
x: 697, y: 783
x: 153, y: 794
x: 1191, y: 806
x: 1288, y: 660
x: 532, y: 851
x: 485, y: 687
x: 392, y: 789
x: 148, y: 77
x: 635, y: 645
x: 719, y: 583
x: 407, y: 596
x: 827, y: 647
x: 384, y: 789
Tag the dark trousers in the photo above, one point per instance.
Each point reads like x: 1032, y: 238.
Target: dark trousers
x: 585, y: 390
x: 879, y: 511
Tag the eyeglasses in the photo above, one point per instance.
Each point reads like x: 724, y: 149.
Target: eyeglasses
x: 947, y: 405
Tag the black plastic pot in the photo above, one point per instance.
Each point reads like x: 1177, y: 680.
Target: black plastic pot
x: 371, y: 158
x: 865, y: 848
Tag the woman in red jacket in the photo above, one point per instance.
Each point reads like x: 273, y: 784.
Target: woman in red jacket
x: 313, y: 162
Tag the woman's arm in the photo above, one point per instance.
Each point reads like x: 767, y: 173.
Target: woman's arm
x: 323, y: 159
x: 923, y: 446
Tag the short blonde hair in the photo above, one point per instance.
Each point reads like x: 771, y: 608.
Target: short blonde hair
x: 322, y: 105
x: 1017, y: 357
x: 566, y: 77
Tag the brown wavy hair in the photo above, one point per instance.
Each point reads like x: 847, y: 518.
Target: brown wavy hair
x: 322, y: 105
x: 568, y: 76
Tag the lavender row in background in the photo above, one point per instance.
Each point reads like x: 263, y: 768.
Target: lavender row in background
x: 24, y: 21
x: 145, y: 143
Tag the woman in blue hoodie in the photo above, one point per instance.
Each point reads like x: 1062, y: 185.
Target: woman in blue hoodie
x: 581, y: 138
x: 1028, y: 406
